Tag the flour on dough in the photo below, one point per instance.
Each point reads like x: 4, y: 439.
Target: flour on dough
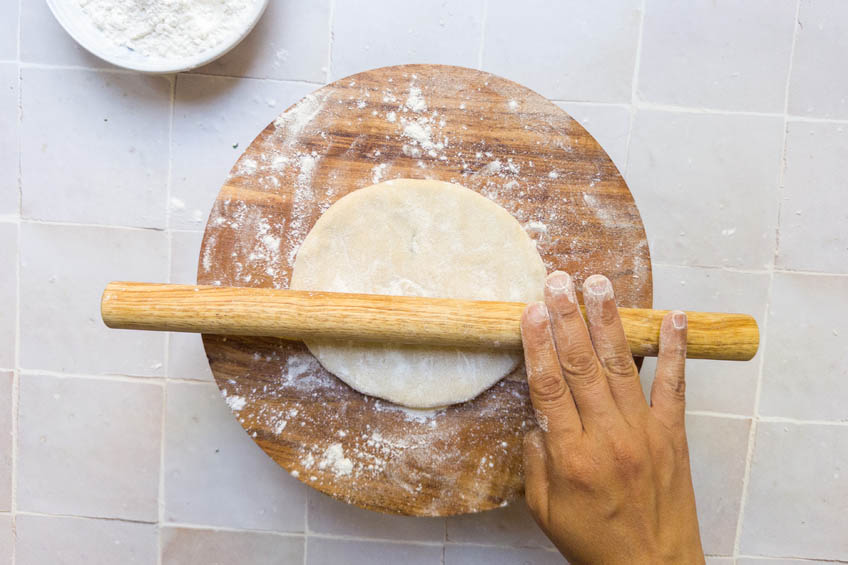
x: 418, y: 238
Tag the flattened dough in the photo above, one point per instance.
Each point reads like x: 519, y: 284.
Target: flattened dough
x: 418, y: 238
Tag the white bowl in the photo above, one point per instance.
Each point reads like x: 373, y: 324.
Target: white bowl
x: 77, y: 24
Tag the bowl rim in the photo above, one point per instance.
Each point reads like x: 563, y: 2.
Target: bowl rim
x: 60, y: 9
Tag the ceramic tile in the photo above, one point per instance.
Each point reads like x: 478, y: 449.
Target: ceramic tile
x: 806, y: 361
x: 717, y: 449
x: 719, y: 386
x: 719, y: 560
x: 711, y: 54
x: 9, y: 29
x: 813, y: 217
x: 44, y: 41
x: 7, y: 539
x: 215, y: 119
x: 291, y: 41
x: 105, y: 161
x: 64, y: 270
x: 184, y: 546
x: 512, y: 525
x: 8, y: 138
x: 6, y: 415
x: 706, y: 186
x: 186, y: 356
x: 796, y: 492
x: 82, y: 541
x: 321, y: 551
x: 367, y: 35
x: 8, y: 292
x: 89, y: 447
x: 609, y: 125
x: 216, y: 475
x: 329, y: 516
x: 462, y: 554
x: 820, y: 47
x: 591, y: 58
x: 185, y: 252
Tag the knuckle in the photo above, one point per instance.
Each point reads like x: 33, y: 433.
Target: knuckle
x: 620, y: 364
x: 675, y: 387
x: 581, y: 365
x: 547, y: 386
x: 582, y: 476
x: 629, y: 462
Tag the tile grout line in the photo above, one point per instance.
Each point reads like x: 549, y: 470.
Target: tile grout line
x: 783, y: 558
x: 782, y: 179
x: 114, y: 70
x: 626, y: 105
x: 634, y: 86
x: 158, y: 381
x: 330, y: 19
x: 444, y: 541
x: 16, y: 375
x: 89, y: 225
x: 85, y: 517
x: 752, y: 437
x: 331, y: 14
x: 484, y: 18
x: 248, y: 77
x: 160, y: 507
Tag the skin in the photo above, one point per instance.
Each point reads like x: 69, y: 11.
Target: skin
x: 607, y: 473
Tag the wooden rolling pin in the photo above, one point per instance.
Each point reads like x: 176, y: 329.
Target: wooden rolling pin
x: 300, y: 315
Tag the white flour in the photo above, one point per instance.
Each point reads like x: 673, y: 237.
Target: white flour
x: 168, y: 28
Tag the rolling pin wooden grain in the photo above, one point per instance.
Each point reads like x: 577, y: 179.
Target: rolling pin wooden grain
x: 302, y: 315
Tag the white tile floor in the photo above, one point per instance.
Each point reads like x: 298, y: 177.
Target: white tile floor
x: 729, y: 120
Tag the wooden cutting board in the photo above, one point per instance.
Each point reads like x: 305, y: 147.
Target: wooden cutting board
x: 415, y: 121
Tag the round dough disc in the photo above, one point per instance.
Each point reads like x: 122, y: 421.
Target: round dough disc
x: 418, y: 238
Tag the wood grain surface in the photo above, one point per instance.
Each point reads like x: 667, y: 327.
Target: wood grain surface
x: 426, y: 122
x: 301, y: 315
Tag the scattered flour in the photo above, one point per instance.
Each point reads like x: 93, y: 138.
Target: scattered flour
x: 236, y: 403
x: 334, y: 459
x: 542, y: 420
x: 415, y: 101
x: 377, y: 172
x: 170, y: 29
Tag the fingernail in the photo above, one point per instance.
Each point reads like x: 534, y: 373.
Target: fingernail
x: 598, y: 286
x: 537, y: 312
x: 678, y: 319
x: 560, y: 282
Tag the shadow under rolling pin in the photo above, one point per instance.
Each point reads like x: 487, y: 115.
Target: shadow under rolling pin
x: 301, y: 315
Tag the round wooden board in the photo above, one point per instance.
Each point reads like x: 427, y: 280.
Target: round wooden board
x: 415, y: 121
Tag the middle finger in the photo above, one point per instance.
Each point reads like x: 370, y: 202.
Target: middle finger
x: 611, y: 345
x: 580, y: 365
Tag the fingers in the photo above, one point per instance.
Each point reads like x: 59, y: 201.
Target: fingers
x: 536, y: 476
x: 669, y: 388
x: 611, y: 346
x: 580, y: 366
x: 548, y: 391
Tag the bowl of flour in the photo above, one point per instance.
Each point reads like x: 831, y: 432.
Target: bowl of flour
x: 158, y: 36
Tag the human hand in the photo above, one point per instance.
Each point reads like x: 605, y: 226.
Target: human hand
x: 607, y: 475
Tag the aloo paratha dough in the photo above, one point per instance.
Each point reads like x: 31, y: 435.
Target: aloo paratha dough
x: 418, y: 238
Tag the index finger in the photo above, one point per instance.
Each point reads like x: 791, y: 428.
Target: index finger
x: 549, y: 393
